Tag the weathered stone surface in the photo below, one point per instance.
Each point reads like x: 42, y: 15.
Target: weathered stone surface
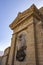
x: 41, y: 10
x: 0, y: 60
x: 5, y: 56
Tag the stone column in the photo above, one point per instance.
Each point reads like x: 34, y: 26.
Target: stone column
x: 11, y: 55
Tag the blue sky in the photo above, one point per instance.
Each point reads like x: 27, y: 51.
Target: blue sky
x: 8, y: 11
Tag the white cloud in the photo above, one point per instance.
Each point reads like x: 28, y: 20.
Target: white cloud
x: 4, y: 45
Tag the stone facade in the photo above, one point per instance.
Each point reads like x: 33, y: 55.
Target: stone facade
x: 5, y: 56
x: 0, y: 60
x: 27, y: 38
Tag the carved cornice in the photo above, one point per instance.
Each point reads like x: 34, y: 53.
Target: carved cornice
x: 32, y: 11
x: 7, y: 49
x: 41, y: 10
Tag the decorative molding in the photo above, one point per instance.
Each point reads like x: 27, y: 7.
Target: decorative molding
x: 22, y: 16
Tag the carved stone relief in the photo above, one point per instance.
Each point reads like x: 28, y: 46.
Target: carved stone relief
x: 21, y: 48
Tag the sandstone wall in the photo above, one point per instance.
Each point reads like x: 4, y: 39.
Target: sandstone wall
x: 5, y: 56
x: 39, y: 41
x: 0, y: 60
